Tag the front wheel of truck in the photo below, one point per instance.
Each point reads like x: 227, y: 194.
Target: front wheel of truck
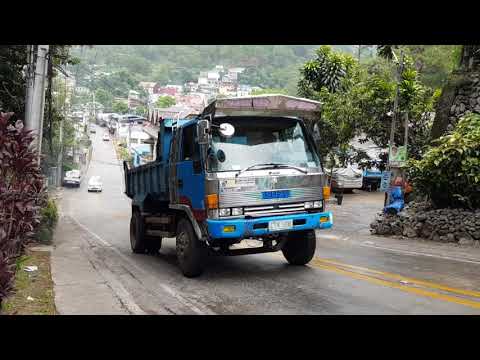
x: 191, y: 252
x: 137, y: 233
x: 300, y: 247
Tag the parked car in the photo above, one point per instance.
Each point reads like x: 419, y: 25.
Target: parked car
x: 95, y: 184
x: 106, y: 137
x: 371, y: 179
x: 72, y: 178
x: 346, y: 179
x: 93, y: 129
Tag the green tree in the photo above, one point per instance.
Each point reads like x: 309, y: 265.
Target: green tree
x: 449, y: 172
x: 119, y: 107
x: 141, y: 110
x: 104, y: 97
x: 165, y: 101
x: 327, y: 71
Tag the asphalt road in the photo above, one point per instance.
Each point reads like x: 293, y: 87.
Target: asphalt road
x: 344, y: 277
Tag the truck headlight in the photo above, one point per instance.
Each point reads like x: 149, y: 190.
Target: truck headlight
x: 224, y: 212
x: 317, y: 204
x: 237, y: 211
x: 308, y: 205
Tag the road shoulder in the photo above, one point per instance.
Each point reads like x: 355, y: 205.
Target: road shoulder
x: 80, y: 287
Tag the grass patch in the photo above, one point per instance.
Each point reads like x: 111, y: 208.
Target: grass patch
x: 37, y: 285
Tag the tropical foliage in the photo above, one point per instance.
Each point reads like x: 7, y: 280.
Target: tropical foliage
x: 449, y: 172
x: 357, y: 100
x: 165, y: 101
x: 22, y: 194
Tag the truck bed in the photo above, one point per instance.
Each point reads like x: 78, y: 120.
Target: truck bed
x: 149, y: 179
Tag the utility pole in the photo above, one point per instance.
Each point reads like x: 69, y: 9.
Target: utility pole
x: 394, y: 118
x: 30, y: 76
x: 94, y: 115
x: 36, y: 97
x: 395, y: 107
x: 60, y: 152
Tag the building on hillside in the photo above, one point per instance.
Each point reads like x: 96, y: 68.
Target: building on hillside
x: 213, y: 77
x: 234, y: 72
x: 244, y: 90
x: 202, y: 81
x: 155, y: 115
x: 134, y: 100
x: 191, y: 87
x: 227, y: 90
x: 170, y: 91
x: 192, y: 100
x: 147, y: 86
x: 178, y: 88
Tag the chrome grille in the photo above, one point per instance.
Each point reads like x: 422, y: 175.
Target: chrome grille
x: 256, y: 211
x: 254, y: 198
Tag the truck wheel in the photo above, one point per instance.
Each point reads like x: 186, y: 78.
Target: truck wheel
x: 300, y: 247
x: 153, y: 244
x: 137, y: 233
x: 191, y: 252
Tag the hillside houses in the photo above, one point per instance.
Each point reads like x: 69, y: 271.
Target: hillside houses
x: 218, y: 81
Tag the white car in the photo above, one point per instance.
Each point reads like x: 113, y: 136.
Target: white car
x: 106, y: 137
x: 95, y: 184
x: 72, y: 178
x: 347, y: 178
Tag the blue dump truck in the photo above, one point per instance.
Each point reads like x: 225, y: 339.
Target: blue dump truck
x: 246, y: 168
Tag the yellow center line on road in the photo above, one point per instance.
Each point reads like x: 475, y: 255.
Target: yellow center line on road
x: 406, y: 288
x: 353, y: 271
x: 407, y: 279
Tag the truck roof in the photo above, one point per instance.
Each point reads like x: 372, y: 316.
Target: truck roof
x: 264, y: 105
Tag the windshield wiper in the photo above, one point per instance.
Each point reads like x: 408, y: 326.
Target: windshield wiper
x: 273, y: 165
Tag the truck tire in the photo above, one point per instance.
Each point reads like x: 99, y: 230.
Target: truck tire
x: 191, y: 252
x: 153, y: 244
x: 300, y: 247
x: 137, y: 233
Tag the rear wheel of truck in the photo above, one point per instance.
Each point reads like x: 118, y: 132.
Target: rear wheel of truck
x: 191, y: 252
x: 300, y: 247
x: 153, y: 244
x: 137, y: 233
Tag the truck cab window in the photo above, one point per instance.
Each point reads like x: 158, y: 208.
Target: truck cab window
x: 190, y: 149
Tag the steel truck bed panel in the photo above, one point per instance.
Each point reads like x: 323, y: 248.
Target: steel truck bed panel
x: 149, y: 179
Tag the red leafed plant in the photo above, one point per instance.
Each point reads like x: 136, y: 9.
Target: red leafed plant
x: 22, y: 193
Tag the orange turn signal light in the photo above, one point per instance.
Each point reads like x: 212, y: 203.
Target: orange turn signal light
x: 326, y: 192
x: 324, y: 219
x: 212, y: 201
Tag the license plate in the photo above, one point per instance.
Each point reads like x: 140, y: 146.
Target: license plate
x: 280, y: 225
x: 282, y: 194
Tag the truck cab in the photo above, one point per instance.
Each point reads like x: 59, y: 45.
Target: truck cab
x: 246, y: 168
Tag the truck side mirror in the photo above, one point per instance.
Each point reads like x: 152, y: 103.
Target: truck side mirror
x: 202, y: 128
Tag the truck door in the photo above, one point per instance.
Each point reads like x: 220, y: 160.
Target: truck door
x: 189, y: 171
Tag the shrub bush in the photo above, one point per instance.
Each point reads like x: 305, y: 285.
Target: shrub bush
x: 49, y: 218
x: 449, y: 172
x: 22, y: 194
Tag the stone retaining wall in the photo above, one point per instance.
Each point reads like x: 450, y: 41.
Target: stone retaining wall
x: 467, y: 100
x: 421, y: 220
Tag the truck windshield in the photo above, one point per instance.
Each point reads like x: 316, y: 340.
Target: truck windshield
x: 261, y: 140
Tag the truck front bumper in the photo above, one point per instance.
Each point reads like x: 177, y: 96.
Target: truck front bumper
x: 245, y: 228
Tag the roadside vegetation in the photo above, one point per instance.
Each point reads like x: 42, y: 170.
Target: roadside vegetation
x: 33, y: 291
x: 22, y: 196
